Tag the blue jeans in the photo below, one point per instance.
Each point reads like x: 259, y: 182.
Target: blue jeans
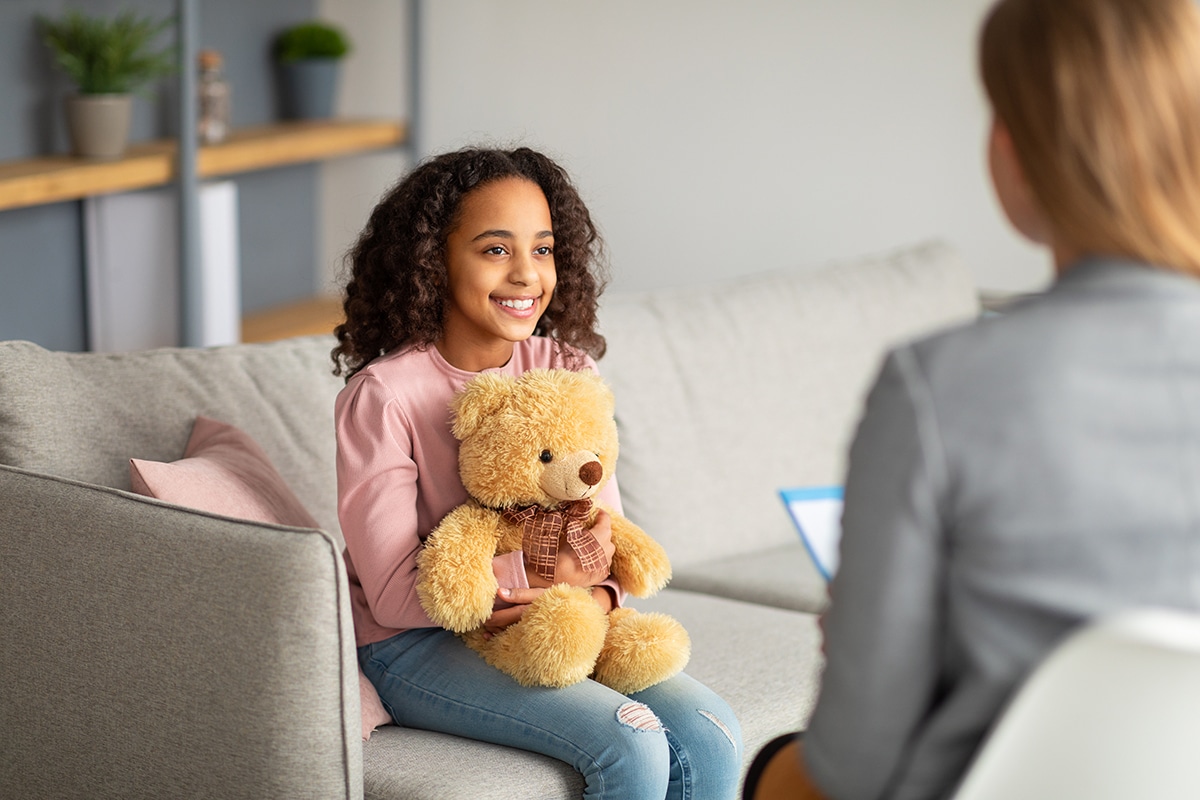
x: 675, y: 740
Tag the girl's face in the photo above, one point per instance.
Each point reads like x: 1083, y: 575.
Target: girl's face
x: 500, y: 268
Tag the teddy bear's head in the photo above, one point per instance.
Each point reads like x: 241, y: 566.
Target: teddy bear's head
x: 546, y: 437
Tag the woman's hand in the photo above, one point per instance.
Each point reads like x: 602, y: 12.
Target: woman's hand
x: 568, y: 569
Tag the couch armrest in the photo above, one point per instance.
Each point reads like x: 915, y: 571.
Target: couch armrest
x: 152, y: 651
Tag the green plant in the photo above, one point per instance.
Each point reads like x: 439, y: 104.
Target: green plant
x: 311, y: 40
x: 107, y: 56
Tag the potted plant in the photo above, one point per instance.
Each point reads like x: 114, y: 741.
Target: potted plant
x: 107, y: 60
x: 309, y: 56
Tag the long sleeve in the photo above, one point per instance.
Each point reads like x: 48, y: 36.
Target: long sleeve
x: 884, y: 627
x: 377, y: 500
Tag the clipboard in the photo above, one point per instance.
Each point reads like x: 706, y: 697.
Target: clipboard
x: 816, y: 512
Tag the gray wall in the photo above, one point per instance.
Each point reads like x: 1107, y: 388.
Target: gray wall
x: 714, y: 138
x: 41, y: 248
x: 709, y: 137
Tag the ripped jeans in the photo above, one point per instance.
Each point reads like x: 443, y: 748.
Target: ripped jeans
x: 675, y: 740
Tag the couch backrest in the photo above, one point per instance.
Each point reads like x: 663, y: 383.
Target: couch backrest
x: 728, y: 392
x: 84, y: 415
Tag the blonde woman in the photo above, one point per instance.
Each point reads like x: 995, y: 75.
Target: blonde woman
x: 1015, y: 477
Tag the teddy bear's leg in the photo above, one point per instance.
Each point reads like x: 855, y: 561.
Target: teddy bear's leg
x: 556, y: 643
x: 641, y: 650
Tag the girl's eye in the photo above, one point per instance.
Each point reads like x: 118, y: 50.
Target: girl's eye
x: 546, y: 457
x: 495, y: 251
x: 543, y: 251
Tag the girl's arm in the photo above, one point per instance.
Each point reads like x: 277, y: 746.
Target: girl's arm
x: 377, y: 505
x: 377, y: 500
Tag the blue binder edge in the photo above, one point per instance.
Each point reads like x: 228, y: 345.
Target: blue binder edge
x: 810, y: 493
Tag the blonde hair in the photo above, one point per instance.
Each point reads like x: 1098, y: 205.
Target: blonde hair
x: 1102, y: 100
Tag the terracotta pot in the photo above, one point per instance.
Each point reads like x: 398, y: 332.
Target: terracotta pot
x: 99, y: 124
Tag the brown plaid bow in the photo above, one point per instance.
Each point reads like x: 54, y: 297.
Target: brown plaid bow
x: 540, y: 531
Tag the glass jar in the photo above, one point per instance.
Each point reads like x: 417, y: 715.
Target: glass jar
x: 213, y: 120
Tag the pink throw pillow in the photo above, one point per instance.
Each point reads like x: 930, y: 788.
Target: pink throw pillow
x: 224, y: 471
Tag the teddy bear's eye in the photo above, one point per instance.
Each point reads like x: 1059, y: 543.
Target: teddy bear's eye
x: 546, y: 457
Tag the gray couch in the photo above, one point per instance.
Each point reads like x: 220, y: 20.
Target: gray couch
x: 149, y: 650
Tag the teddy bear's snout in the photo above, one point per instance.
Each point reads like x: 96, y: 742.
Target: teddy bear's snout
x: 572, y: 476
x: 591, y: 473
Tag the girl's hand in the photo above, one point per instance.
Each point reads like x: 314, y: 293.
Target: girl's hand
x: 568, y: 569
x: 604, y: 598
x: 521, y: 598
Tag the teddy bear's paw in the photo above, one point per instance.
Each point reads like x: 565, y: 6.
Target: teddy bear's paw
x: 456, y: 606
x: 555, y: 644
x: 455, y: 583
x: 641, y: 650
x: 642, y: 571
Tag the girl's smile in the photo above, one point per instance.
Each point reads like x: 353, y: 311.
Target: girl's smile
x: 520, y: 306
x: 500, y: 270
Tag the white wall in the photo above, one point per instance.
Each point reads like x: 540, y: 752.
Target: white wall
x: 715, y: 138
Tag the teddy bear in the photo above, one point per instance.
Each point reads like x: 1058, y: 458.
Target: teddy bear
x: 534, y: 452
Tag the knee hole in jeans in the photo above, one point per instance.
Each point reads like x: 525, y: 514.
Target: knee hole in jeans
x: 639, y: 717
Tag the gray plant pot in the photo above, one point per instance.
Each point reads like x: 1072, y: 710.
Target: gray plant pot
x: 98, y: 124
x: 308, y: 87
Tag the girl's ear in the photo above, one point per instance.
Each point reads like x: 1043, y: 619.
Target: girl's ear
x: 483, y: 396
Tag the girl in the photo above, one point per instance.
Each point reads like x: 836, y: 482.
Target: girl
x: 486, y: 260
x: 1017, y: 477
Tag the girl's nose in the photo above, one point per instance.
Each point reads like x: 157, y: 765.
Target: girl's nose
x: 522, y: 270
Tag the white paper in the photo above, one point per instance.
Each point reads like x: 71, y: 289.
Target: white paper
x: 817, y: 514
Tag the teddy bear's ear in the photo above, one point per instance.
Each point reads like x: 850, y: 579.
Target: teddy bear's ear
x: 480, y: 397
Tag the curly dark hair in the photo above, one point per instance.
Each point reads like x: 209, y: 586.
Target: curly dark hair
x: 397, y: 290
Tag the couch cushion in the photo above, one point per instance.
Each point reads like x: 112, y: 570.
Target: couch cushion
x: 728, y: 392
x: 409, y: 764
x: 84, y: 415
x: 781, y: 576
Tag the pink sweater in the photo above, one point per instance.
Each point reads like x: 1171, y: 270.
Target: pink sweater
x: 397, y: 468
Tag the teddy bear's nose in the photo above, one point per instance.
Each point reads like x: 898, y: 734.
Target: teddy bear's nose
x: 591, y: 473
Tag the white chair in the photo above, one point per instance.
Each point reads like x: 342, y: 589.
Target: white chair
x: 1112, y: 714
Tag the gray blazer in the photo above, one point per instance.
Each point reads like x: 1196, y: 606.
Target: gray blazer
x: 1009, y: 480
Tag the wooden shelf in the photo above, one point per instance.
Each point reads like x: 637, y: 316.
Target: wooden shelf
x: 53, y: 179
x: 304, y: 318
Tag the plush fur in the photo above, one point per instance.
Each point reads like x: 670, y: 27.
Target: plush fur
x: 505, y: 425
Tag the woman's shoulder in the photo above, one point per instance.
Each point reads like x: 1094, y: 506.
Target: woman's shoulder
x: 1101, y: 309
